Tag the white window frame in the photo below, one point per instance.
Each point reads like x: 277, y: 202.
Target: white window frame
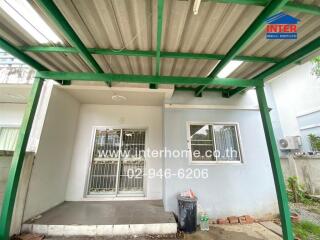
x: 215, y: 162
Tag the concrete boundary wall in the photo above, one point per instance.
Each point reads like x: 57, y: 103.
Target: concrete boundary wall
x: 307, y: 169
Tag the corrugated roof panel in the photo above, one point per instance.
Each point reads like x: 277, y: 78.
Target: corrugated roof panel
x: 116, y: 25
x: 207, y: 31
x: 185, y: 67
x: 13, y: 32
x: 125, y: 65
x: 132, y: 24
x: 248, y: 70
x: 61, y: 62
x: 308, y: 27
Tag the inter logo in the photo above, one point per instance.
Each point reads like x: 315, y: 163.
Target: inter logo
x: 282, y: 26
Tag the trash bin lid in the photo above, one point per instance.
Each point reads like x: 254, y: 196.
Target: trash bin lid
x: 186, y: 199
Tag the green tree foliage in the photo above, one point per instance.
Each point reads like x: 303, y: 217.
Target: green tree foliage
x: 314, y: 142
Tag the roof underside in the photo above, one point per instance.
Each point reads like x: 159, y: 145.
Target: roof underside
x: 132, y: 25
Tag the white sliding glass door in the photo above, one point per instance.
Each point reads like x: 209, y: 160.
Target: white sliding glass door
x: 117, y: 166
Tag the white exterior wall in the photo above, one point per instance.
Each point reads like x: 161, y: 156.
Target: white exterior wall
x: 295, y: 92
x: 113, y: 116
x: 62, y: 161
x: 231, y: 188
x: 51, y: 165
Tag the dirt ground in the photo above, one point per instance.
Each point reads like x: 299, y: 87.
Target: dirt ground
x: 217, y: 232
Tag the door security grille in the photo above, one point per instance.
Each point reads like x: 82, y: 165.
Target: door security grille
x: 117, y: 165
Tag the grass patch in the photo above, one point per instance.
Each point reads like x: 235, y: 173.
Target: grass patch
x: 306, y: 230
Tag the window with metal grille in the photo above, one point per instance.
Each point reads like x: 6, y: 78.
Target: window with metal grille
x: 117, y: 154
x: 214, y: 142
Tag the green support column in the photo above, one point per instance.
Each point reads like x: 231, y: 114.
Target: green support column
x: 17, y: 160
x: 275, y: 165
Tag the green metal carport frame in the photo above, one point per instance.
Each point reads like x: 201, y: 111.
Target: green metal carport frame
x: 98, y: 75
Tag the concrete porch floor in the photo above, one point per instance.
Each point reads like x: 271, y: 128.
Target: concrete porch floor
x: 104, y: 218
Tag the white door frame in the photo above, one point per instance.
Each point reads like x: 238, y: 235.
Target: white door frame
x: 114, y: 196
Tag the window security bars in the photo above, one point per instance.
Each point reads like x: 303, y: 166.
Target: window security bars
x: 214, y: 143
x: 117, y: 156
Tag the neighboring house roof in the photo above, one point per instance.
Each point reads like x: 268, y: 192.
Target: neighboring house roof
x: 282, y: 18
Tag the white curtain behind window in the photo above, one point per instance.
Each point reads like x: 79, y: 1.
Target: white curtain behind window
x: 226, y: 143
x: 8, y: 138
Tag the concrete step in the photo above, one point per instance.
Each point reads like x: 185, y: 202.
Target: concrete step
x: 101, y: 230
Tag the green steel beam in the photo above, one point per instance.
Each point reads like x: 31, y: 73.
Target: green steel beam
x: 229, y: 93
x: 275, y: 165
x: 302, y: 8
x: 192, y: 89
x: 243, y: 2
x: 53, y: 12
x: 159, y: 37
x: 292, y: 58
x: 17, y: 160
x: 141, y: 53
x: 208, y: 56
x: 290, y: 6
x: 81, y: 76
x: 9, y: 48
x: 246, y: 38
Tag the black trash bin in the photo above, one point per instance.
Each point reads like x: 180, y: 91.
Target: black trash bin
x: 187, y: 219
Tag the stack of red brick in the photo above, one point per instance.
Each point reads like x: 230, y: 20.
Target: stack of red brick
x: 236, y: 220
